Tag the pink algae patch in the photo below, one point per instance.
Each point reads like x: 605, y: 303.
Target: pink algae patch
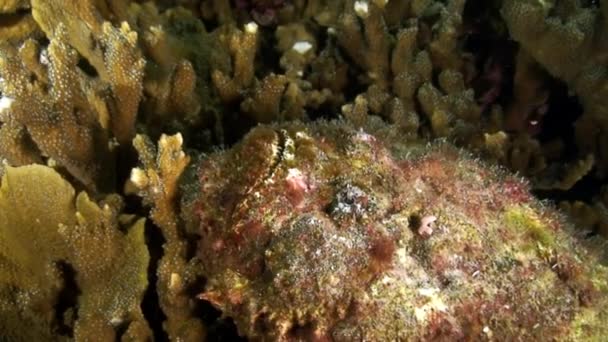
x: 515, y: 191
x: 297, y: 186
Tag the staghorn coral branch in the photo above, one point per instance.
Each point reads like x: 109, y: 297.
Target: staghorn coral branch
x: 56, y: 114
x: 242, y: 45
x: 157, y: 183
x: 569, y: 41
x: 124, y: 66
x: 113, y: 52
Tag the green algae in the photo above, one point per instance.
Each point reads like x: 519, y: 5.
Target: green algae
x: 523, y: 220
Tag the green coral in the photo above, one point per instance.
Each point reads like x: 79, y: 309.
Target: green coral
x: 48, y: 232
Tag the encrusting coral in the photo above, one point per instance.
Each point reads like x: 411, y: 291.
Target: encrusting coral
x: 135, y: 105
x: 328, y: 232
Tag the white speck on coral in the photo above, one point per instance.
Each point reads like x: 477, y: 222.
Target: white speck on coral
x: 293, y: 173
x: 113, y: 143
x: 302, y: 47
x: 333, y: 280
x: 156, y: 29
x: 420, y: 314
x: 115, y: 321
x: 418, y: 185
x: 475, y: 274
x: 62, y: 229
x: 486, y: 330
x: 44, y: 58
x: 5, y: 103
x: 331, y: 31
x: 138, y: 177
x: 51, y: 163
x: 289, y: 147
x: 362, y: 8
x: 174, y: 281
x: 251, y: 28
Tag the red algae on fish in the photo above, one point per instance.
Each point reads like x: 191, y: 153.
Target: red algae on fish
x: 327, y: 232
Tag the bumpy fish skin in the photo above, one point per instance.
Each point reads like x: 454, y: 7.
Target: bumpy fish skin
x: 325, y: 231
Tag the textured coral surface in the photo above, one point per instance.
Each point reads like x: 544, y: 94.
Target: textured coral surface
x: 328, y: 232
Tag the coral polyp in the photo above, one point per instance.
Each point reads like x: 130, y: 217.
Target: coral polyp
x: 325, y: 231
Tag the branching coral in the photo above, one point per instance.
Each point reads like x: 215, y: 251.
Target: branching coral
x: 51, y: 100
x: 103, y: 77
x: 112, y: 52
x: 400, y: 68
x: 569, y: 41
x: 367, y: 43
x: 56, y: 243
x: 17, y: 24
x: 518, y: 151
x: 178, y: 51
x: 242, y: 45
x: 156, y: 182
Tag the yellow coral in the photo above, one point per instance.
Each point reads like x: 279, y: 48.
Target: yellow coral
x: 564, y: 37
x: 242, y: 45
x: 46, y: 230
x: 156, y: 182
x: 58, y: 113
